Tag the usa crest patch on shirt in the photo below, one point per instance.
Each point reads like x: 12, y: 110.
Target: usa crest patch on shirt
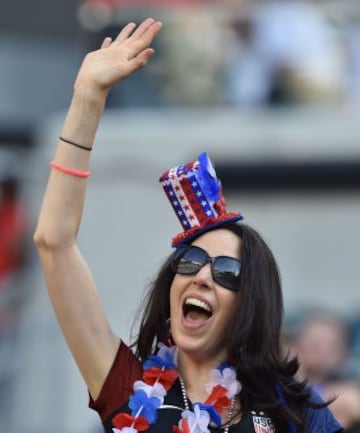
x: 262, y: 424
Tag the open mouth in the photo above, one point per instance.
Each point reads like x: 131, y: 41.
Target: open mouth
x: 194, y: 309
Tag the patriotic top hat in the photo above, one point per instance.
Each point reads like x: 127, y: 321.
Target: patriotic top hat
x: 195, y: 194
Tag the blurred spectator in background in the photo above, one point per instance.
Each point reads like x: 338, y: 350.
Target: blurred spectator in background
x: 322, y: 343
x: 13, y: 231
x: 291, y: 54
x: 193, y: 52
x: 246, y: 79
x: 323, y: 348
x: 13, y: 254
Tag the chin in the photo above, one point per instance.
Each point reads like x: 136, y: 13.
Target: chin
x: 188, y: 344
x: 197, y: 348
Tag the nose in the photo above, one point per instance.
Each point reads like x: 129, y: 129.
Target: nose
x: 203, y: 278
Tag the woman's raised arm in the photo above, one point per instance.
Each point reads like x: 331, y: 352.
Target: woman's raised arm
x: 71, y: 287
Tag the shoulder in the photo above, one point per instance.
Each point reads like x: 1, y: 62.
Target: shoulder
x: 320, y: 420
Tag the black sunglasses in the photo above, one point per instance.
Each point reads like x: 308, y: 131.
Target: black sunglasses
x: 189, y: 259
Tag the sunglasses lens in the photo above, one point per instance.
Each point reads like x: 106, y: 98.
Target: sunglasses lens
x: 190, y: 261
x: 226, y: 271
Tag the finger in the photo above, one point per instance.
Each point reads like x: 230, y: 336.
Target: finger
x: 142, y: 59
x: 125, y: 32
x: 150, y: 33
x: 153, y: 30
x: 138, y: 45
x: 106, y: 42
x: 143, y: 27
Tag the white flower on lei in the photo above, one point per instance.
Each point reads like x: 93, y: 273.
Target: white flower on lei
x: 125, y: 430
x: 198, y: 420
x: 157, y: 390
x: 225, y: 378
x: 172, y: 350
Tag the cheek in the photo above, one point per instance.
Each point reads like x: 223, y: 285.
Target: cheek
x: 175, y: 291
x: 229, y: 299
x: 174, y: 288
x: 229, y: 304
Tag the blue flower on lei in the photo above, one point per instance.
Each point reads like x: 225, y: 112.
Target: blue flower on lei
x: 213, y: 413
x: 157, y: 361
x: 141, y: 404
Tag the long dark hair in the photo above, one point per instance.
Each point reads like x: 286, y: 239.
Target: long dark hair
x: 253, y: 341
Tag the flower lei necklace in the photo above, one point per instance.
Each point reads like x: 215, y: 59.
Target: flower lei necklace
x: 160, y: 373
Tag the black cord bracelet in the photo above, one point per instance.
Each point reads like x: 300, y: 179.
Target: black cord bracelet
x: 75, y: 144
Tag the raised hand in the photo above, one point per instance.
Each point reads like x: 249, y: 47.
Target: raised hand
x: 69, y: 279
x: 118, y: 59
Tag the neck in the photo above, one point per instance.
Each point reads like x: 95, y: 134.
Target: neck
x: 196, y: 374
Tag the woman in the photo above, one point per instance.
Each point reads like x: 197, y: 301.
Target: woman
x: 220, y: 290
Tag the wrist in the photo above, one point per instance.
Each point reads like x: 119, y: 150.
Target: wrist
x: 86, y: 108
x: 90, y: 94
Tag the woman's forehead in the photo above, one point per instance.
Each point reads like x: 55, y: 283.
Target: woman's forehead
x: 220, y: 241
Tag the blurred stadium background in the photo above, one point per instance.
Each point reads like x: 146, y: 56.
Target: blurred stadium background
x: 270, y: 89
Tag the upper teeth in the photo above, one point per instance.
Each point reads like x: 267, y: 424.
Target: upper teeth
x: 198, y: 303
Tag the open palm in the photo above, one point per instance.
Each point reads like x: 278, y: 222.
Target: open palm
x: 119, y: 58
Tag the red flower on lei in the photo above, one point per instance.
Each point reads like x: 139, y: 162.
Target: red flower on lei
x: 125, y: 420
x: 166, y: 377
x: 182, y: 428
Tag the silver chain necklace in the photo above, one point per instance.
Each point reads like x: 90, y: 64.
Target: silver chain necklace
x: 187, y: 406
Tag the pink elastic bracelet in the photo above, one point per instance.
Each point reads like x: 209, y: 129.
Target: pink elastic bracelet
x: 66, y: 170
